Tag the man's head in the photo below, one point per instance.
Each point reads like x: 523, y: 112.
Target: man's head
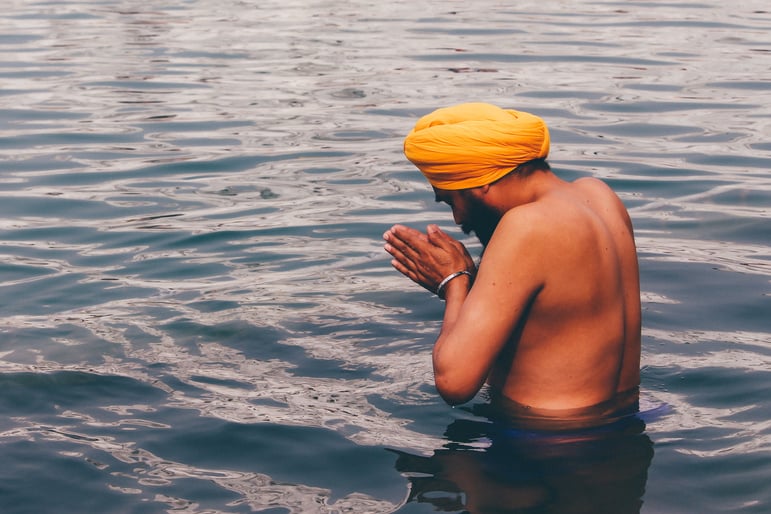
x: 470, y: 211
x: 464, y: 149
x: 474, y: 144
x: 472, y: 208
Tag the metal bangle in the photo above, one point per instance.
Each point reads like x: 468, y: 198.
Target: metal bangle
x: 449, y: 277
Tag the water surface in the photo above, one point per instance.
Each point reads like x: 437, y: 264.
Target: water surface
x: 197, y: 312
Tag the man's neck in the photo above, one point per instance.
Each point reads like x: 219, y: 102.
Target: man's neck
x: 514, y: 190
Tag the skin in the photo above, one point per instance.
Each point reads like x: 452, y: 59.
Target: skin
x: 552, y: 321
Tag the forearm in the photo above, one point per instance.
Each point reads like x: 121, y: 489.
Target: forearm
x: 446, y: 365
x: 455, y: 294
x: 429, y: 260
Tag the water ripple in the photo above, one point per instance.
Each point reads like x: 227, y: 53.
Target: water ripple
x: 190, y: 217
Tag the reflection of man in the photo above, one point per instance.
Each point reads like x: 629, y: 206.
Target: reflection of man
x: 551, y: 319
x: 601, y: 471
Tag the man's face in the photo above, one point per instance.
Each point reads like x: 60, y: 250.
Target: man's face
x: 470, y: 212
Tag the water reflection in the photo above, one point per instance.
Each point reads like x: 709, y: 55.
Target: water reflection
x: 490, y: 469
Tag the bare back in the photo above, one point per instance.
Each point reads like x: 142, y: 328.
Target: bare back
x: 577, y: 341
x: 552, y: 319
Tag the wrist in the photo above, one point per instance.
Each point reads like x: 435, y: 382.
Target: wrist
x: 453, y: 281
x: 459, y: 289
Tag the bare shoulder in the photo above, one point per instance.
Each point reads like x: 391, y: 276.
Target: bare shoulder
x: 592, y: 182
x: 524, y: 224
x: 602, y: 198
x: 533, y: 225
x: 595, y: 187
x: 522, y: 240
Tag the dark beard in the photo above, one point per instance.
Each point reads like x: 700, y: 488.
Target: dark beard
x: 482, y: 221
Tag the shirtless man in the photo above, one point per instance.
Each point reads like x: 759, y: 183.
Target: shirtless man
x: 551, y: 318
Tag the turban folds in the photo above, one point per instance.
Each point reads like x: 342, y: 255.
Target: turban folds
x: 474, y: 144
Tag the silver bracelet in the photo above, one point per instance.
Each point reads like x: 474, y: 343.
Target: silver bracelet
x: 449, y: 277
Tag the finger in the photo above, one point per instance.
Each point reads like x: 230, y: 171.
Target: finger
x: 398, y: 255
x: 397, y: 229
x: 399, y: 249
x: 409, y: 258
x: 436, y: 236
x: 412, y: 268
x: 441, y: 239
x: 408, y: 235
x: 404, y: 230
x: 408, y: 241
x: 409, y: 272
x: 401, y: 268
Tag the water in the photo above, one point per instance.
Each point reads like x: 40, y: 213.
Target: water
x: 197, y: 312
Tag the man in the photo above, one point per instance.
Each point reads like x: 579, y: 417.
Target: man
x: 551, y: 318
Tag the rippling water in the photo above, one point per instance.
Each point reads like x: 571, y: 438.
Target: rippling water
x: 197, y: 312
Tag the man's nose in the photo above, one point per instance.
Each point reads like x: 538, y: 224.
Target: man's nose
x: 456, y: 216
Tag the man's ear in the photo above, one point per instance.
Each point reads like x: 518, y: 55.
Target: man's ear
x: 480, y: 191
x: 475, y: 192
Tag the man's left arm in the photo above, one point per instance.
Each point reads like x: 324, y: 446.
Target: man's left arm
x: 479, y: 320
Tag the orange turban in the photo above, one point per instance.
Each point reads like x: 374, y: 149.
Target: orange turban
x: 474, y: 144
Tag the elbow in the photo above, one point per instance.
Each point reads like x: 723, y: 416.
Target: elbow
x: 458, y: 377
x: 455, y: 392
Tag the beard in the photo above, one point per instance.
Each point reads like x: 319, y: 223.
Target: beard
x: 482, y: 220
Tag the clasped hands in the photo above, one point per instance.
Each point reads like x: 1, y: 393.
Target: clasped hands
x: 427, y: 258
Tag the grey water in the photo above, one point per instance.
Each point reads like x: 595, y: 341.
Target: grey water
x: 197, y: 314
